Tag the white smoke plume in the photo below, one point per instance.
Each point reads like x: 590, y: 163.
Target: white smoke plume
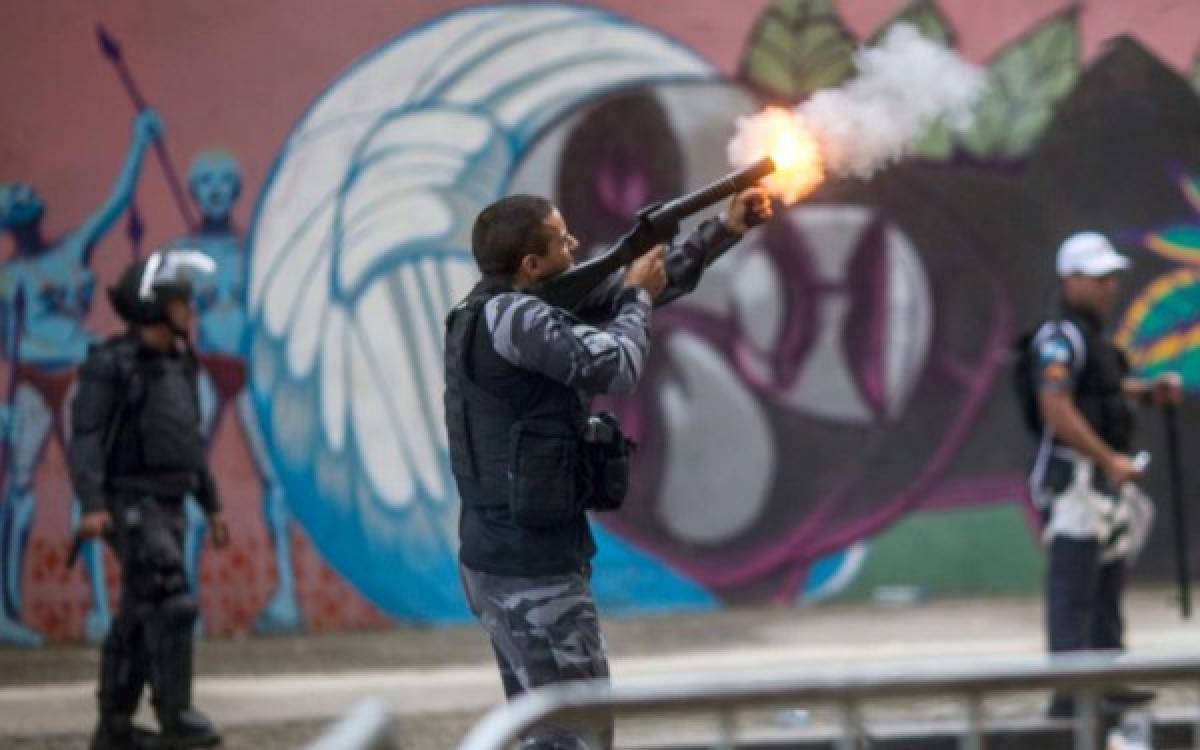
x: 904, y: 85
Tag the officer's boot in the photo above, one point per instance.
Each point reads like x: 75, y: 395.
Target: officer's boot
x: 113, y: 732
x: 116, y: 732
x: 187, y: 728
x: 122, y: 674
x: 170, y: 642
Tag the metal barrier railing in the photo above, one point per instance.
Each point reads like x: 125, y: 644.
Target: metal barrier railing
x: 1085, y: 675
x: 366, y: 726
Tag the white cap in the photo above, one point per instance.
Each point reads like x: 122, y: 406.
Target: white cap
x: 1091, y: 254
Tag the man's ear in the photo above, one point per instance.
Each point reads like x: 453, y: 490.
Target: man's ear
x: 527, y: 269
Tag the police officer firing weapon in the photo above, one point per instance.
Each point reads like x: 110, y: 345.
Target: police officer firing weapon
x: 136, y: 452
x: 1076, y: 392
x: 528, y: 458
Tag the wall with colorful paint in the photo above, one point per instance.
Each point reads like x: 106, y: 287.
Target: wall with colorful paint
x: 829, y: 415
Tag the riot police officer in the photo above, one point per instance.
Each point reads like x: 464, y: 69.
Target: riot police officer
x: 1083, y: 474
x: 528, y: 459
x: 137, y: 450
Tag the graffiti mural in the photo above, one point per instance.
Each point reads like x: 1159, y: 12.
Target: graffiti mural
x: 46, y: 294
x: 833, y: 396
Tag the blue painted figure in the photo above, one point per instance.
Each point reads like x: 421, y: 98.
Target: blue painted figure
x: 46, y: 292
x: 215, y: 182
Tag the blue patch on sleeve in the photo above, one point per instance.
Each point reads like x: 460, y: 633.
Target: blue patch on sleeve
x: 1054, y: 351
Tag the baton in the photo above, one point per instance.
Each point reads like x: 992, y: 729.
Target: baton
x: 1178, y: 510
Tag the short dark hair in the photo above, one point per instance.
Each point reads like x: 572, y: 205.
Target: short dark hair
x: 507, y: 231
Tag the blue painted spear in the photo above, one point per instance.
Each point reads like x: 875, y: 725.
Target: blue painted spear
x: 112, y: 52
x: 134, y: 230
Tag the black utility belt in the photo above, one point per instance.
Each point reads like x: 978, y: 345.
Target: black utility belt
x: 557, y: 471
x: 1060, y: 474
x: 159, y: 485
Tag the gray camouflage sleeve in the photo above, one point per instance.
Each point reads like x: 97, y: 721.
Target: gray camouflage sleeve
x: 687, y: 260
x: 532, y: 335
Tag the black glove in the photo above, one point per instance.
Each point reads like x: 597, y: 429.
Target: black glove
x: 754, y: 217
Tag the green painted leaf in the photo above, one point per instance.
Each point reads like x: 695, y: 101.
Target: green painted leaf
x: 1027, y: 79
x: 937, y: 144
x: 798, y: 47
x: 923, y: 14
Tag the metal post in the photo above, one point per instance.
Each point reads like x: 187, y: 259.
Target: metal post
x: 972, y: 739
x: 1086, y: 720
x: 1196, y: 723
x: 1183, y: 556
x: 852, y: 726
x: 727, y: 729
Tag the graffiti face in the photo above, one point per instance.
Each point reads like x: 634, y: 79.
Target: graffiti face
x: 20, y: 205
x: 843, y: 332
x: 215, y: 181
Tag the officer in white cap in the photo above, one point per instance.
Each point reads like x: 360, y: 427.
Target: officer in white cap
x: 1083, y: 476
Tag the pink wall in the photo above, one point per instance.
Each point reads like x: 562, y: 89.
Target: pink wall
x: 239, y: 75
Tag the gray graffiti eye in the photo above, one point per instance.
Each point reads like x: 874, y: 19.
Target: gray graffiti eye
x: 851, y: 332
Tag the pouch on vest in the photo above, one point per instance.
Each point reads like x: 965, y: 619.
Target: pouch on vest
x: 544, y: 468
x: 606, y: 454
x: 169, y: 421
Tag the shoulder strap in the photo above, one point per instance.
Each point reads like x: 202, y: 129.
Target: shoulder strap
x: 474, y: 392
x: 462, y: 391
x: 129, y: 389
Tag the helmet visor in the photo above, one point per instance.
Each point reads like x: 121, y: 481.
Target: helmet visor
x: 170, y: 273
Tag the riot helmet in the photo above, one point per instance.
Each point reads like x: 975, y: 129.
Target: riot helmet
x: 141, y: 295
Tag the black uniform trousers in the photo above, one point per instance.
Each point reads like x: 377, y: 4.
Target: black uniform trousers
x: 151, y: 636
x: 1083, y: 597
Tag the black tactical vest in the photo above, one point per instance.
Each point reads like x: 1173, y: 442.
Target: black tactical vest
x: 1098, y: 394
x: 156, y: 443
x: 514, y: 437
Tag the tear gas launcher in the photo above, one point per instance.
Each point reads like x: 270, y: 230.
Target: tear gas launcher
x: 656, y: 223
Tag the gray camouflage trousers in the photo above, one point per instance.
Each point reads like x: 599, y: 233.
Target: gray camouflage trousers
x: 544, y: 630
